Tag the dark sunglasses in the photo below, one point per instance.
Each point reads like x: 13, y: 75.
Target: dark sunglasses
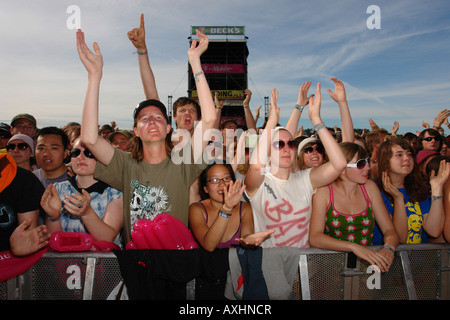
x: 293, y: 144
x: 429, y: 139
x: 360, y: 164
x: 76, y: 152
x: 309, y: 150
x: 20, y: 146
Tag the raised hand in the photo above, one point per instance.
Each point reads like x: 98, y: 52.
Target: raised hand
x: 303, y: 98
x: 314, y: 106
x: 233, y: 194
x: 438, y: 179
x: 50, y: 202
x: 274, y: 111
x: 248, y: 97
x: 137, y: 36
x: 92, y: 61
x: 339, y: 94
x: 195, y: 51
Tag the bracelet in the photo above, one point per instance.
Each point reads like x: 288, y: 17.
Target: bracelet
x: 436, y: 197
x: 52, y: 220
x: 197, y: 74
x: 246, y: 107
x: 319, y: 126
x: 387, y: 247
x: 142, y: 53
x: 299, y: 107
x: 224, y: 215
x: 226, y: 211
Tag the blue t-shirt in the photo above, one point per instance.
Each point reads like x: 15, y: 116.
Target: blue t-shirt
x: 415, y: 212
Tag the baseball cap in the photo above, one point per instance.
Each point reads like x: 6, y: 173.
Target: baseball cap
x: 24, y: 116
x: 148, y: 103
x: 5, y: 129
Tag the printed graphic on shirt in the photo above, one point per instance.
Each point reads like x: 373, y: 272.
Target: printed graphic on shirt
x: 147, y: 202
x: 8, y: 218
x: 291, y: 228
x: 415, y: 222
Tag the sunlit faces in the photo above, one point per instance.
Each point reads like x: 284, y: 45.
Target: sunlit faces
x: 218, y: 179
x: 120, y: 142
x: 83, y: 162
x: 151, y: 125
x: 313, y: 155
x: 430, y: 142
x: 283, y: 151
x: 24, y: 126
x: 50, y: 153
x: 401, y: 161
x: 20, y: 151
x: 358, y: 170
x: 186, y: 116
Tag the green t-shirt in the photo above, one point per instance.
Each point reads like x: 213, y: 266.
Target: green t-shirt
x: 149, y: 189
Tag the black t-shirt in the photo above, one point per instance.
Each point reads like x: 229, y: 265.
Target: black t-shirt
x: 22, y: 195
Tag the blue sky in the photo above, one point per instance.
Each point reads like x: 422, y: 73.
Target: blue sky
x: 398, y: 72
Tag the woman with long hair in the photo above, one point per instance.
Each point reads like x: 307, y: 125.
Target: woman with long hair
x: 416, y: 212
x: 345, y: 211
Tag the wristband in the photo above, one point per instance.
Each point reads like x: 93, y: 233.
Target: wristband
x: 299, y: 107
x: 389, y: 248
x: 435, y: 197
x: 197, y: 74
x: 224, y: 215
x: 142, y: 53
x: 52, y: 220
x: 226, y: 211
x: 319, y: 126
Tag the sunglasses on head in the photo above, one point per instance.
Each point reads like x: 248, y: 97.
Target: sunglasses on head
x: 360, y: 164
x: 76, y: 152
x: 429, y: 139
x: 20, y: 146
x: 293, y: 144
x: 309, y: 150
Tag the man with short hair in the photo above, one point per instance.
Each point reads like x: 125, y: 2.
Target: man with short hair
x: 52, y: 147
x: 24, y: 123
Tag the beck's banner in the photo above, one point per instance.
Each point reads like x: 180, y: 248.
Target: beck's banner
x: 223, y: 68
x: 219, y: 30
x: 224, y: 94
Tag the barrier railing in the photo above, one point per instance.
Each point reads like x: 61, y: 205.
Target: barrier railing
x: 419, y: 272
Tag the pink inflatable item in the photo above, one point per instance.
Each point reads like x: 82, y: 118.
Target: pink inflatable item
x: 163, y: 232
x: 78, y: 241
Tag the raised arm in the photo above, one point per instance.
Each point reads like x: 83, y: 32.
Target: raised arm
x: 339, y: 95
x: 137, y: 37
x: 302, y: 102
x: 249, y: 120
x: 257, y: 163
x: 204, y: 94
x: 102, y: 150
x: 329, y: 171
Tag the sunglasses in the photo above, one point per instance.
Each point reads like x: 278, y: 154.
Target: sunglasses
x: 20, y: 146
x: 293, y: 144
x: 429, y: 139
x: 217, y: 180
x: 309, y: 150
x: 360, y: 164
x: 76, y: 152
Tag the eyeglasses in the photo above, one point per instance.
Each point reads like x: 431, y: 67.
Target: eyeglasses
x: 76, y: 152
x: 20, y: 146
x: 309, y: 150
x: 293, y: 144
x: 428, y: 139
x: 217, y: 180
x: 360, y: 164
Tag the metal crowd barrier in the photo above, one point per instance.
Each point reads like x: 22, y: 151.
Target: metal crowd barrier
x: 419, y: 272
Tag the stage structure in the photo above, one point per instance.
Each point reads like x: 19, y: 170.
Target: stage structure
x: 225, y: 67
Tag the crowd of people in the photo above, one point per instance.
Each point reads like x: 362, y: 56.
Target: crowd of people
x: 264, y: 185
